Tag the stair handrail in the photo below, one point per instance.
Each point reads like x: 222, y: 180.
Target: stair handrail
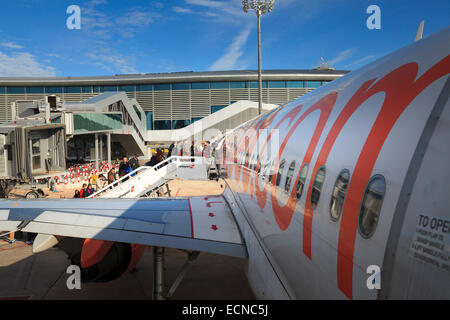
x: 136, y: 171
x: 118, y: 181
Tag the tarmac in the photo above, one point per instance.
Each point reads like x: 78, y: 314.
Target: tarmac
x: 24, y: 275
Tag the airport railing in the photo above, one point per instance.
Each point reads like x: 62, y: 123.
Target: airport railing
x: 139, y: 181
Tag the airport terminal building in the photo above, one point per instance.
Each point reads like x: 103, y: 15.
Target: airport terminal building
x: 170, y: 100
x: 110, y: 116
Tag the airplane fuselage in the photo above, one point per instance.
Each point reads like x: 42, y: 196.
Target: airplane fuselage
x: 349, y: 181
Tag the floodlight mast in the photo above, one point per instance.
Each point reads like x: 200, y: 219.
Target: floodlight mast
x: 260, y: 8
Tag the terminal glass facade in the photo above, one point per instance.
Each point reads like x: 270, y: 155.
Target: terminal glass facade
x: 168, y: 105
x: 91, y: 122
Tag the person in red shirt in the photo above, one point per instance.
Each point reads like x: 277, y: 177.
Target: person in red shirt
x: 83, y: 191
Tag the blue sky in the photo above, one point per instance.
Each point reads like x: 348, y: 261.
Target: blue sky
x: 137, y: 36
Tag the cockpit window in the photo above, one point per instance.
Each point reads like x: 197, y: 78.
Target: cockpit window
x: 371, y: 206
x: 338, y: 195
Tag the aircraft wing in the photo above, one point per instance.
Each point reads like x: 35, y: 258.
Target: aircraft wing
x: 194, y: 223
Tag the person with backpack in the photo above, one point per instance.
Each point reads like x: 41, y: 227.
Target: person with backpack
x: 89, y: 191
x: 134, y: 162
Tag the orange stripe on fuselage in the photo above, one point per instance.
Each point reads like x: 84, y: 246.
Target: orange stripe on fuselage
x: 400, y: 90
x: 261, y: 195
x: 283, y: 215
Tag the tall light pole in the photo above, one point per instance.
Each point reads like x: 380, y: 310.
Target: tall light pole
x: 260, y: 8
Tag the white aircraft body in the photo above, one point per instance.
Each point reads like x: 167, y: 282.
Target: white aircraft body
x: 341, y: 194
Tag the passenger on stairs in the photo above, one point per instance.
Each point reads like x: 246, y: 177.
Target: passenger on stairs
x: 123, y: 167
x: 134, y: 162
x: 111, y: 175
x: 186, y: 152
x: 83, y: 191
x: 207, y: 150
x: 89, y: 191
x: 173, y: 150
x: 101, y: 182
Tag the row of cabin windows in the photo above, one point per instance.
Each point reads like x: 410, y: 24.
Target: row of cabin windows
x: 371, y: 203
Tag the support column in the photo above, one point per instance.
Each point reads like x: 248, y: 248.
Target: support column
x: 158, y: 265
x: 96, y: 151
x: 108, y: 146
x: 101, y: 147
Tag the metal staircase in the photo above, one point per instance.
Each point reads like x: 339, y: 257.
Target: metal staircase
x: 149, y: 181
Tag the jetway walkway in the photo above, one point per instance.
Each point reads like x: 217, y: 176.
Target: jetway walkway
x: 147, y: 181
x: 108, y: 113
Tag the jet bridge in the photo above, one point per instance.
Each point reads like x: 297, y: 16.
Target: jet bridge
x: 29, y: 152
x: 106, y: 114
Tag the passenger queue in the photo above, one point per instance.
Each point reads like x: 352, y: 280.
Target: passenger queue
x: 126, y: 166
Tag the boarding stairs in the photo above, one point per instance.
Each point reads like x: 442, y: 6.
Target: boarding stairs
x: 149, y: 181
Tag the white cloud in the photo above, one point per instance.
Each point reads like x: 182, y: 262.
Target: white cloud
x: 233, y: 52
x: 136, y: 18
x: 360, y: 61
x: 222, y: 11
x: 182, y: 10
x: 113, y: 62
x: 104, y: 25
x: 342, y: 56
x: 23, y: 65
x: 207, y: 3
x: 11, y: 45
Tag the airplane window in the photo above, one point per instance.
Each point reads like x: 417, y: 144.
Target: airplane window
x: 254, y: 162
x: 338, y: 195
x: 371, y: 205
x: 290, y: 173
x: 301, y: 180
x: 247, y: 142
x: 235, y: 157
x: 265, y: 169
x: 270, y: 172
x: 280, y: 171
x: 317, y: 187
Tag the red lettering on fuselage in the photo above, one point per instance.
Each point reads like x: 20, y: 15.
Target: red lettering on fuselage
x: 261, y: 195
x: 283, y: 215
